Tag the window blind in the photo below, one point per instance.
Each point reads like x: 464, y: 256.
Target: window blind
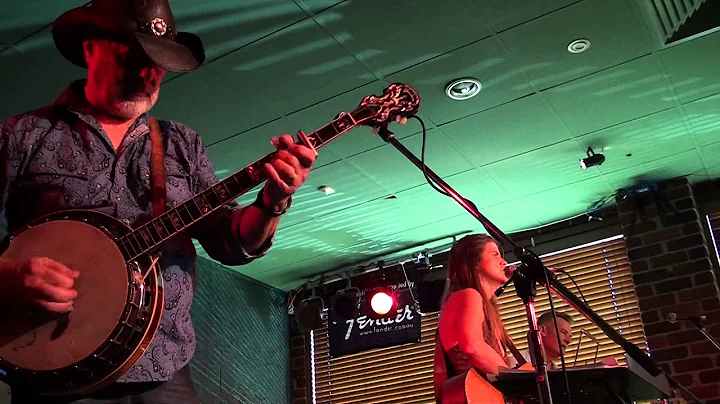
x: 405, y: 373
x: 714, y: 225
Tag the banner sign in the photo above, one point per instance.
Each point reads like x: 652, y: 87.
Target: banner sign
x: 363, y: 333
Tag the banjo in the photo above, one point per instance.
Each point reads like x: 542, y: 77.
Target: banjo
x: 120, y: 293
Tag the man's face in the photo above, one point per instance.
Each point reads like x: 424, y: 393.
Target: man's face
x: 550, y: 340
x: 122, y: 80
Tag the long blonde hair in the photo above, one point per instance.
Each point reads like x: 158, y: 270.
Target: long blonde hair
x: 462, y: 273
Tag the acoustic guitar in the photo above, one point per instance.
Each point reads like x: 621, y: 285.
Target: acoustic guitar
x: 120, y: 294
x: 471, y: 388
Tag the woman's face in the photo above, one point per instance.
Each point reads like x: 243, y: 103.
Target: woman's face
x: 492, y: 265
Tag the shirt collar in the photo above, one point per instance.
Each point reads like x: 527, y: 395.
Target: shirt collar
x: 73, y: 99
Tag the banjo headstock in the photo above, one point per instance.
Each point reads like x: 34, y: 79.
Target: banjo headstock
x: 397, y: 101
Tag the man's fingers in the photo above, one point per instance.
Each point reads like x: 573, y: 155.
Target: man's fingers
x: 275, y: 177
x: 55, y: 306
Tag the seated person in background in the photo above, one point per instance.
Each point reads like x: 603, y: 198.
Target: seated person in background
x: 548, y: 337
x: 549, y: 340
x: 470, y: 333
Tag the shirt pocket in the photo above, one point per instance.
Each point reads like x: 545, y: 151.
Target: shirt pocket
x: 59, y: 188
x: 178, y: 183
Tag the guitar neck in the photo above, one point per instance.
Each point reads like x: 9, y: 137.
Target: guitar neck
x: 150, y: 235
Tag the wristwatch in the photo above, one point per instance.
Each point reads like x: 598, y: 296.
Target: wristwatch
x: 258, y: 203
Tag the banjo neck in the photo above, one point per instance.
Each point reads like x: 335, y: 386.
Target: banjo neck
x: 151, y: 234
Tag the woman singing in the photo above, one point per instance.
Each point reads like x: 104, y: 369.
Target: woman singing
x: 470, y: 332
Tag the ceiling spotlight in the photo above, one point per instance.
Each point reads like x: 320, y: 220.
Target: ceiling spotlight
x: 578, y: 46
x: 463, y: 89
x: 381, y: 302
x: 592, y: 159
x: 346, y: 303
x: 309, y: 315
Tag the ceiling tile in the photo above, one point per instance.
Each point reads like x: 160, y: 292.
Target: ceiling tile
x: 646, y: 139
x: 509, y: 217
x: 567, y: 201
x: 275, y: 76
x: 711, y: 154
x: 620, y: 94
x: 226, y: 25
x: 501, y: 15
x: 315, y: 6
x: 704, y: 117
x: 540, y: 170
x: 352, y: 187
x: 390, y: 168
x: 497, y: 134
x: 615, y: 30
x: 357, y: 140
x: 236, y: 152
x: 484, y: 61
x: 677, y: 165
x: 474, y: 185
x: 28, y: 78
x: 18, y: 21
x: 395, y: 36
x: 692, y: 67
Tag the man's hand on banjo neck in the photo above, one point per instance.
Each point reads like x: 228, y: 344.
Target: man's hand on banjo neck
x: 38, y: 282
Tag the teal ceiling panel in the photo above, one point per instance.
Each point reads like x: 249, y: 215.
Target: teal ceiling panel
x: 390, y: 168
x: 614, y: 28
x: 227, y: 25
x: 692, y: 67
x: 275, y: 76
x: 640, y: 141
x: 541, y: 170
x: 398, y: 35
x: 484, y: 61
x: 704, y: 117
x: 502, y: 14
x: 677, y: 165
x: 26, y: 82
x: 21, y: 19
x: 508, y: 130
x: 617, y: 95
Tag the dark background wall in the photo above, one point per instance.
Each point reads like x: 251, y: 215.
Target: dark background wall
x: 243, y: 347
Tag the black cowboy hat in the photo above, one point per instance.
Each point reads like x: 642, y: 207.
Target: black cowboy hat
x: 148, y: 22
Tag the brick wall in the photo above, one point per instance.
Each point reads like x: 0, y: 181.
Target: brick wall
x: 242, y: 338
x: 672, y: 271
x: 300, y: 374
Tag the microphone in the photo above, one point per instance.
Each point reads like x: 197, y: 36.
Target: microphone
x: 509, y: 270
x: 673, y: 318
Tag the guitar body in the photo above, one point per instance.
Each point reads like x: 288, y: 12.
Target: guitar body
x: 470, y: 388
x: 115, y: 315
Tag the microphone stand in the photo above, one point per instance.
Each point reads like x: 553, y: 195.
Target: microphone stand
x: 698, y: 324
x: 526, y: 277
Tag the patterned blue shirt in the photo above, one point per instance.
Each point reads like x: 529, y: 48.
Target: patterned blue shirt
x: 58, y: 157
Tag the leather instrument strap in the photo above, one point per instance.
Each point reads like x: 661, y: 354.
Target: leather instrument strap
x: 157, y: 169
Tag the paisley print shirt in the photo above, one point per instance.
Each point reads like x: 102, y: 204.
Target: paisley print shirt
x: 58, y: 157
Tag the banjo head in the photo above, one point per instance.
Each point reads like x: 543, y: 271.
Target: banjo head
x: 38, y: 340
x: 114, y: 316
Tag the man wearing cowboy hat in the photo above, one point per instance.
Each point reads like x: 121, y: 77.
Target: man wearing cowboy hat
x: 90, y: 150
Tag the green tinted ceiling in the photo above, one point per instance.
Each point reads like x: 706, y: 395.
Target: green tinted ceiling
x: 278, y: 66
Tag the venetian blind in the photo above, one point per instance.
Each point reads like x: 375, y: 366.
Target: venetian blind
x: 714, y: 224
x: 405, y: 373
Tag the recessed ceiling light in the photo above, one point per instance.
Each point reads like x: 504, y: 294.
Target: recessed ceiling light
x: 463, y: 89
x: 578, y: 46
x: 326, y: 189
